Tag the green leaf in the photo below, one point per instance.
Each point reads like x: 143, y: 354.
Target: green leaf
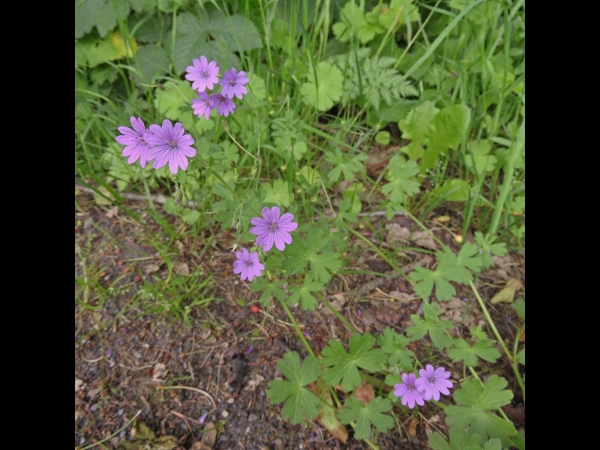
x: 493, y: 444
x: 418, y: 122
x: 352, y: 18
x: 303, y: 294
x: 154, y: 61
x: 521, y: 356
x: 432, y: 325
x: 469, y: 257
x: 393, y: 344
x: 190, y: 216
x: 308, y: 251
x: 395, y: 15
x: 488, y: 248
x: 519, y: 306
x: 300, y: 401
x: 372, y: 412
x: 342, y: 162
x: 402, y: 182
x: 98, y: 13
x: 173, y: 96
x: 482, y: 349
x: 343, y: 367
x: 459, y: 440
x: 454, y: 190
x: 324, y: 90
x: 448, y: 128
x: 479, y: 160
x: 479, y: 400
x: 92, y: 50
x: 278, y: 193
x: 271, y: 289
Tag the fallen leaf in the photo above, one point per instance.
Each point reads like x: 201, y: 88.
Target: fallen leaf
x: 515, y: 413
x: 365, y: 393
x: 396, y: 233
x: 412, y: 427
x: 327, y: 416
x: 112, y: 212
x: 507, y: 294
x: 78, y: 384
x: 102, y: 200
x: 181, y: 268
x: 442, y: 219
x: 255, y: 381
x: 160, y: 372
x: 151, y: 268
x: 423, y: 239
x: 403, y: 297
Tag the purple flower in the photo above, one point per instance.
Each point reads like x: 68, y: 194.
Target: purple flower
x: 247, y: 264
x: 233, y: 83
x: 433, y: 381
x: 136, y: 146
x: 170, y: 145
x: 202, y: 73
x: 408, y: 391
x: 223, y: 104
x: 202, y: 418
x: 202, y: 105
x: 273, y: 229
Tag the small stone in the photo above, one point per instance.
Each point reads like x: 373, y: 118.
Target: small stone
x: 225, y: 414
x: 252, y: 417
x: 230, y: 400
x: 94, y: 407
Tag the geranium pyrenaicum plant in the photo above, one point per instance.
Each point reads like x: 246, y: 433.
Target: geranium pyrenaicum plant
x: 136, y: 146
x: 433, y: 382
x: 203, y: 74
x: 247, y: 265
x: 233, y: 84
x: 169, y: 145
x: 408, y: 391
x: 273, y: 229
x: 223, y: 104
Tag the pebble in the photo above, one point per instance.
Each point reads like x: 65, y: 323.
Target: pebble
x: 225, y: 414
x: 94, y: 407
x: 252, y: 417
x: 120, y: 412
x: 230, y: 400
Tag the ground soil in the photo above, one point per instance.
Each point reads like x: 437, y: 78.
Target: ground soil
x: 130, y: 360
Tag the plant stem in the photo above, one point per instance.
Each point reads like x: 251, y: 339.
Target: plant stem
x: 297, y: 327
x: 112, y: 435
x: 512, y: 360
x: 337, y: 313
x: 500, y: 410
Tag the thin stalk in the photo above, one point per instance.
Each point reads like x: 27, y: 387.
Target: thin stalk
x: 512, y: 360
x: 383, y: 256
x: 112, y: 435
x: 426, y: 229
x: 500, y: 410
x: 297, y: 327
x: 336, y: 313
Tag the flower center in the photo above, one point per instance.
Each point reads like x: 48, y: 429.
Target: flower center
x: 231, y: 82
x: 172, y: 145
x: 431, y: 379
x: 410, y: 386
x: 273, y: 228
x: 204, y: 74
x: 140, y: 140
x: 249, y: 263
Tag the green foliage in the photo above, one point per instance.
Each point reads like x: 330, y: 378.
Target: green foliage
x: 483, y: 349
x: 343, y: 366
x: 324, y: 88
x: 393, y: 344
x: 303, y: 294
x: 487, y: 248
x: 365, y: 415
x: 479, y: 400
x: 342, y: 163
x: 448, y: 128
x: 300, y: 402
x: 459, y: 440
x: 431, y: 324
x: 312, y: 251
x: 401, y: 177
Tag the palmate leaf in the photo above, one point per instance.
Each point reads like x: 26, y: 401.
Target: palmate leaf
x: 469, y: 353
x: 448, y: 128
x: 488, y: 248
x: 393, y: 344
x: 300, y: 401
x: 431, y: 324
x: 372, y: 412
x: 479, y: 401
x: 303, y: 294
x: 173, y: 96
x: 324, y: 90
x: 344, y: 163
x: 459, y: 440
x: 98, y: 13
x: 402, y: 182
x: 309, y: 251
x: 343, y: 366
x: 448, y: 269
x: 271, y: 289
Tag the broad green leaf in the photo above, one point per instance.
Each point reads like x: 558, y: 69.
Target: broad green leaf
x: 448, y: 128
x: 343, y: 367
x: 352, y: 18
x: 98, y: 13
x: 521, y: 356
x: 459, y: 440
x: 190, y: 216
x: 278, y: 193
x: 303, y: 294
x: 92, y: 50
x: 394, y: 15
x: 173, y: 96
x: 477, y: 415
x: 394, y: 345
x: 488, y: 248
x: 519, y: 306
x: 493, y: 444
x: 308, y: 251
x: 464, y: 351
x: 256, y: 90
x: 431, y: 324
x: 344, y: 163
x: 324, y: 90
x: 154, y: 61
x: 300, y: 401
x: 418, y: 122
x: 454, y: 190
x: 402, y: 179
x: 372, y: 412
x: 478, y: 159
x: 469, y: 257
x: 271, y: 289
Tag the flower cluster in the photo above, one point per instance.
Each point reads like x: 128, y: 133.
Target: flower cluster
x: 163, y: 144
x: 203, y: 75
x: 271, y: 229
x: 416, y: 390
